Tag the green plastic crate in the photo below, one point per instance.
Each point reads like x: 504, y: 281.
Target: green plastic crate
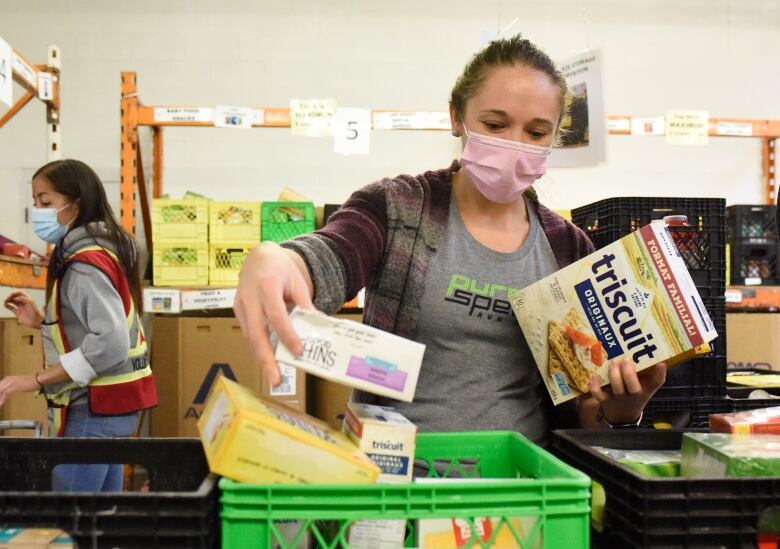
x: 283, y: 220
x: 541, y: 486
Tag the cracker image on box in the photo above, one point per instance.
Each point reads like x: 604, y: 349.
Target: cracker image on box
x: 633, y: 298
x: 354, y: 354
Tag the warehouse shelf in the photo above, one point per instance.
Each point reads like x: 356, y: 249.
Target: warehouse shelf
x: 135, y: 114
x: 35, y: 79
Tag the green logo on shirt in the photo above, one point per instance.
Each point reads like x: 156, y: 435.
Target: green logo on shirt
x: 483, y: 300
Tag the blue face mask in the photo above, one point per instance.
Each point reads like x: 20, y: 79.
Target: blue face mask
x: 46, y: 226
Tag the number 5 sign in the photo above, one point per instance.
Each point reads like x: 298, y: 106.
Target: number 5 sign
x: 6, y: 73
x: 352, y: 131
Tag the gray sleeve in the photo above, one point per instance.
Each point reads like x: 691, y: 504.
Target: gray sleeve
x: 327, y: 272
x: 98, y: 307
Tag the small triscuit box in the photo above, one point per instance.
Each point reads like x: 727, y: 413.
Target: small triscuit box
x: 252, y: 440
x: 354, y: 354
x: 633, y: 298
x: 720, y: 455
x: 386, y: 436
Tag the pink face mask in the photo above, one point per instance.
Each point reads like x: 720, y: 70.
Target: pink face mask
x: 500, y: 169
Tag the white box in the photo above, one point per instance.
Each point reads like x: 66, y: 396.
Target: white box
x: 386, y: 436
x: 354, y: 354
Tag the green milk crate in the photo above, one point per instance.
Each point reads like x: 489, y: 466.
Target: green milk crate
x: 283, y: 220
x: 517, y: 479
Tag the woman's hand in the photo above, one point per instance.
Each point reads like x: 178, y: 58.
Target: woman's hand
x: 271, y: 279
x: 17, y: 384
x: 627, y: 395
x: 24, y: 309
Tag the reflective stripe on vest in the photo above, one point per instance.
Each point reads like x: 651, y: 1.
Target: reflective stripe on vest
x: 117, y: 394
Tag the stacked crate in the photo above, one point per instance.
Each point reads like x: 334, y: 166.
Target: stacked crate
x: 234, y: 230
x: 180, y: 242
x: 754, y: 245
x: 284, y: 220
x: 698, y: 386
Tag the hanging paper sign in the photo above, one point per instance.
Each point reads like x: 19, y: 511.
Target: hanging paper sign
x: 6, y: 73
x: 739, y: 129
x: 25, y: 71
x: 45, y: 86
x: 232, y: 117
x: 584, y: 128
x: 687, y: 127
x: 655, y: 125
x: 312, y: 117
x: 183, y: 114
x: 352, y: 131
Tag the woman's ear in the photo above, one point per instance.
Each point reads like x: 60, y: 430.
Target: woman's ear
x: 454, y: 123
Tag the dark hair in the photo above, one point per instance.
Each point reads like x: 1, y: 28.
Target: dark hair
x: 504, y: 52
x: 78, y: 181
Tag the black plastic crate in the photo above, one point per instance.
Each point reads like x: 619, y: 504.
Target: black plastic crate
x: 327, y: 211
x: 643, y: 511
x: 684, y: 413
x: 744, y: 404
x: 703, y: 376
x: 752, y: 224
x: 180, y: 510
x: 702, y: 244
x: 755, y: 265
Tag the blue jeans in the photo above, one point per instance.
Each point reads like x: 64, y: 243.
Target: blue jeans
x: 80, y: 423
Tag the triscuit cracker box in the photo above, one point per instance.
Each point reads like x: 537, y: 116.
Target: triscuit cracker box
x: 633, y: 298
x: 248, y: 439
x: 355, y: 355
x: 387, y: 438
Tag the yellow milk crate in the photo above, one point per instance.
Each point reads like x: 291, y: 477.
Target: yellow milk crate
x: 225, y: 262
x: 181, y: 264
x: 234, y: 222
x: 180, y: 220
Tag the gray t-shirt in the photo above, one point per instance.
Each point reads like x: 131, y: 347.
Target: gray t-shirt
x: 477, y: 372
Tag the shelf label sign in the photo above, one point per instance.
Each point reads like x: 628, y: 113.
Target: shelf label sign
x: 45, y: 86
x: 687, y: 127
x: 183, y: 114
x: 739, y: 129
x: 352, y: 131
x: 6, y: 73
x: 25, y: 71
x: 233, y: 117
x: 312, y: 117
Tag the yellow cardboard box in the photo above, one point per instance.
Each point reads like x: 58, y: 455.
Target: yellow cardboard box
x: 252, y: 440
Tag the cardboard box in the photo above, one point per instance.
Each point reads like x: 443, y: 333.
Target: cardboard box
x: 248, y: 439
x: 327, y: 400
x: 720, y: 455
x: 355, y: 354
x: 761, y: 421
x: 175, y: 300
x: 21, y: 352
x: 633, y: 298
x: 189, y: 353
x: 753, y: 341
x: 386, y: 436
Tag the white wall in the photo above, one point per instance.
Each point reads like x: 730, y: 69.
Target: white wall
x: 717, y: 55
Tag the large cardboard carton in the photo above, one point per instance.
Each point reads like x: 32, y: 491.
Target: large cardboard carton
x: 327, y: 400
x: 633, y: 298
x: 753, y: 341
x: 189, y: 353
x: 21, y: 352
x: 249, y: 439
